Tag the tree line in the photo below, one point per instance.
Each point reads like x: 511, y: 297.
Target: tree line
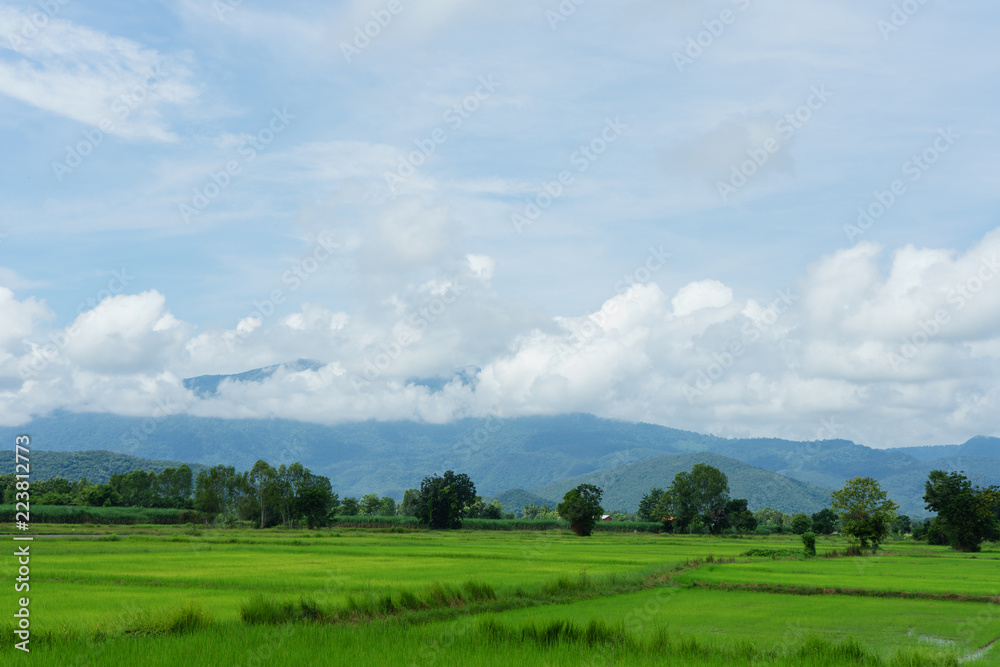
x: 695, y: 502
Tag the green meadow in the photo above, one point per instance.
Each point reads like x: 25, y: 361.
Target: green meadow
x: 173, y: 595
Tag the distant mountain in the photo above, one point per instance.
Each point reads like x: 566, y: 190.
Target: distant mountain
x: 514, y: 500
x: 977, y: 446
x: 625, y: 486
x: 205, y: 386
x: 929, y: 453
x: 96, y: 466
x: 498, y: 454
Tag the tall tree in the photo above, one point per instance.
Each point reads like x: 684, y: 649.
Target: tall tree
x: 648, y: 505
x: 966, y: 514
x: 409, y: 504
x: 263, y: 479
x: 866, y: 512
x: 443, y: 500
x: 582, y: 508
x: 700, y: 494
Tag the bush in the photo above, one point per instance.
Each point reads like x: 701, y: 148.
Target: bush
x: 809, y: 542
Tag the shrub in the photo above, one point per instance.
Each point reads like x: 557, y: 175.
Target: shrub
x: 809, y: 542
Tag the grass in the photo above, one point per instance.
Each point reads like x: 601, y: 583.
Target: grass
x: 387, y: 594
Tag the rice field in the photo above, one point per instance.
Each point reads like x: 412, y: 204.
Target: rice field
x: 172, y: 595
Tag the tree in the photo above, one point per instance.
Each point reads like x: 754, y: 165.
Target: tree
x: 824, y: 522
x: 648, y: 505
x: 313, y: 498
x: 263, y: 480
x: 533, y: 511
x: 217, y: 490
x: 582, y: 508
x: 349, y: 506
x: 493, y: 511
x: 866, y: 512
x: 369, y: 504
x: 443, y: 500
x: 738, y: 516
x: 902, y: 525
x: 701, y: 495
x: 409, y: 504
x: 801, y: 523
x: 386, y: 506
x: 966, y: 514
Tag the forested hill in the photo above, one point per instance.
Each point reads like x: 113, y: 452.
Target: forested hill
x: 624, y: 487
x: 96, y: 466
x: 523, y: 453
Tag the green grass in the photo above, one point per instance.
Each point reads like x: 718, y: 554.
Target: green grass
x: 176, y: 595
x: 885, y: 574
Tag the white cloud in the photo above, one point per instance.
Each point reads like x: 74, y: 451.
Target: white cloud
x: 110, y: 83
x: 702, y: 294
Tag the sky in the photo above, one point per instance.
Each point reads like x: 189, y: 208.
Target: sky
x: 735, y: 217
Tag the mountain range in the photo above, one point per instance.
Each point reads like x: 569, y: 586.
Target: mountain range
x: 543, y: 456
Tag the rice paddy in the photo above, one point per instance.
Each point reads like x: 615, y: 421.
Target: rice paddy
x: 174, y: 595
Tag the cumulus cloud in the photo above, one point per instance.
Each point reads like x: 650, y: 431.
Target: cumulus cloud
x: 896, y: 348
x: 702, y: 294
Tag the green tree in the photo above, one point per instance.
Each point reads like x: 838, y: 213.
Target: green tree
x: 966, y: 514
x: 866, y: 512
x: 409, y: 505
x: 263, y: 480
x: 386, y: 506
x: 493, y: 511
x: 648, y: 505
x: 738, y: 516
x: 217, y: 491
x: 534, y: 511
x: 801, y: 523
x: 443, y: 500
x: 582, y: 508
x: 369, y: 504
x: 350, y: 507
x: 824, y: 522
x: 701, y: 495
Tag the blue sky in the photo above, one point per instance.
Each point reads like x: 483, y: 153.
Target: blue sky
x: 595, y: 205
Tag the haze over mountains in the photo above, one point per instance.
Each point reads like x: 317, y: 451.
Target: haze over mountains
x: 543, y: 455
